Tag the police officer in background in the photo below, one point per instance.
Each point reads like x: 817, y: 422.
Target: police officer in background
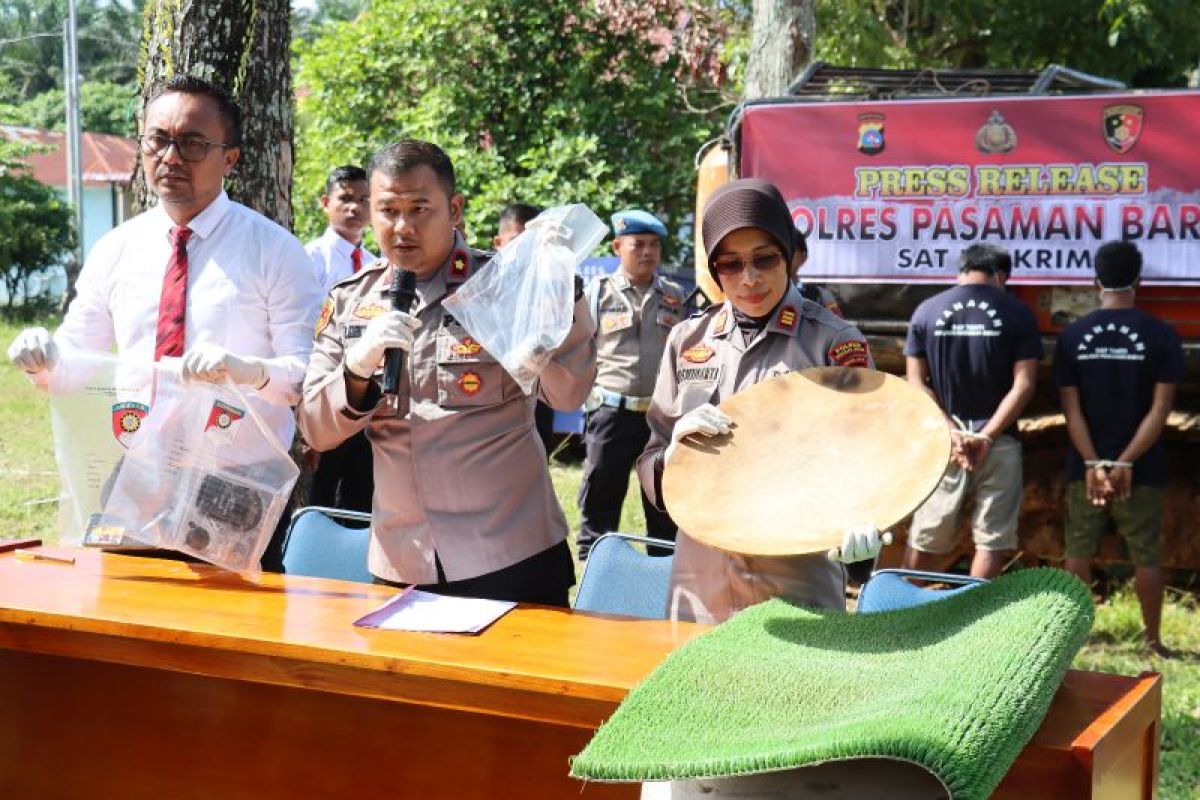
x: 513, y: 220
x: 343, y: 477
x: 463, y: 502
x: 635, y: 309
x: 338, y: 253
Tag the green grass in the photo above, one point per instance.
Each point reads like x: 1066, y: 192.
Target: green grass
x: 27, y: 480
x: 566, y: 477
x: 1115, y: 645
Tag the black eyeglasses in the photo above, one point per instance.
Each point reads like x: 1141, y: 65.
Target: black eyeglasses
x: 735, y: 265
x: 189, y: 149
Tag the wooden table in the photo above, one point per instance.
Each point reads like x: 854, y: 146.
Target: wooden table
x: 140, y: 678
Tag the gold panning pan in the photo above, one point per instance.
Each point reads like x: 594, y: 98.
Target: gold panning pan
x: 810, y: 454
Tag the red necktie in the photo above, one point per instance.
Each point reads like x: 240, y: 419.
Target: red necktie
x: 356, y: 259
x: 168, y: 340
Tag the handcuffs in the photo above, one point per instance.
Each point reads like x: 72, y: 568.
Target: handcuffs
x: 1106, y: 464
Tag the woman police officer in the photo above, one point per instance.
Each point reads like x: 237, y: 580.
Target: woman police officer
x: 763, y: 329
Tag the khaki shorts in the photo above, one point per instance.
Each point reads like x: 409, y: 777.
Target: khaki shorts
x: 997, y: 487
x: 1138, y: 520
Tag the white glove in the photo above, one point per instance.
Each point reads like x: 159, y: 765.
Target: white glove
x: 390, y: 329
x: 860, y: 544
x: 214, y: 364
x: 33, y: 350
x: 706, y: 419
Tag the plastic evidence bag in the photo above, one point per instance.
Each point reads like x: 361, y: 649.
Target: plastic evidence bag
x: 97, y: 403
x: 203, y: 475
x: 520, y: 306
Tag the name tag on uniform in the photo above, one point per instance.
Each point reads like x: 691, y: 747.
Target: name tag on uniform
x: 697, y: 374
x: 611, y: 321
x: 352, y: 330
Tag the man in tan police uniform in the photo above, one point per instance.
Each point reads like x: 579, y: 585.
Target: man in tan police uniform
x: 635, y: 309
x: 463, y: 502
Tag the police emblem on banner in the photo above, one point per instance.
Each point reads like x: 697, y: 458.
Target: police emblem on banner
x: 126, y: 419
x: 995, y: 135
x: 870, y: 133
x: 1122, y: 126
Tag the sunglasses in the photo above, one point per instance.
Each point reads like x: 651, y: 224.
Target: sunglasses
x: 735, y: 265
x: 191, y: 149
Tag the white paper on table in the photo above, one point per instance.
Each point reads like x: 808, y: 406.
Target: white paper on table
x: 414, y: 610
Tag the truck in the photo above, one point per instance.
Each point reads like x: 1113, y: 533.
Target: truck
x: 890, y: 174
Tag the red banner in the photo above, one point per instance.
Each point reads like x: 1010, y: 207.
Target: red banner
x: 894, y: 191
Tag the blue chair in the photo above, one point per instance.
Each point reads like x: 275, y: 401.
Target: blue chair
x: 317, y: 544
x: 620, y: 579
x: 889, y: 589
x: 569, y: 421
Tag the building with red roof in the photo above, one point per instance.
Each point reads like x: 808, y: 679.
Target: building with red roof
x: 108, y: 164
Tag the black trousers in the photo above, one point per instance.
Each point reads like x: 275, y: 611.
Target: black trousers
x: 615, y: 438
x: 544, y: 578
x: 543, y: 420
x: 344, y: 477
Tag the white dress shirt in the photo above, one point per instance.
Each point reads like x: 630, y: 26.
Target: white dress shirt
x: 332, y: 256
x: 251, y: 289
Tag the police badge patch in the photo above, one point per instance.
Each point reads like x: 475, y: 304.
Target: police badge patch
x: 466, y: 348
x: 698, y: 354
x: 852, y: 353
x: 470, y: 383
x: 1122, y: 126
x: 370, y: 310
x: 126, y: 419
x: 870, y: 133
x: 326, y: 314
x: 222, y: 420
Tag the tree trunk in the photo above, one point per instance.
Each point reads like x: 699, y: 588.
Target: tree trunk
x: 781, y: 42
x: 243, y: 45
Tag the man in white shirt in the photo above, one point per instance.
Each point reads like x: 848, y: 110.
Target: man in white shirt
x: 344, y: 477
x: 339, y: 253
x: 198, y: 276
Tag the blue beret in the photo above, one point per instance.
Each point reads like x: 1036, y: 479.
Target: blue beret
x: 635, y: 221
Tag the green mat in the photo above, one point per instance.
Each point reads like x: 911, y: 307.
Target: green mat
x: 957, y: 686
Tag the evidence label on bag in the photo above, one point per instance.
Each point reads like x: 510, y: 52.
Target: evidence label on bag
x: 222, y: 425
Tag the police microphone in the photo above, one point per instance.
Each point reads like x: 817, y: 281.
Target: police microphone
x: 404, y: 293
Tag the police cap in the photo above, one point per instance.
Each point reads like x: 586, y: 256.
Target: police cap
x: 636, y: 221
